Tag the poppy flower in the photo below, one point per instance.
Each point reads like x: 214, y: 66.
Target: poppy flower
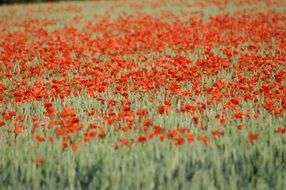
x: 280, y: 130
x: 141, y: 139
x: 67, y: 111
x: 2, y: 123
x: 217, y: 133
x: 111, y: 102
x: 142, y: 112
x: 157, y: 130
x: 241, y: 126
x: 234, y: 101
x: 18, y: 129
x: 7, y: 116
x: 178, y: 141
x: 238, y: 115
x: 162, y: 137
x: 38, y: 160
x: 102, y: 135
x: 40, y: 138
x: 64, y: 144
x: 222, y: 121
x: 172, y: 133
x: 252, y: 137
x: 256, y: 115
x: 51, y: 139
x: 74, y: 147
x: 204, y: 139
x: 162, y: 109
x: 196, y: 120
x: 190, y: 138
x: 12, y: 113
x: 124, y: 141
x: 148, y: 122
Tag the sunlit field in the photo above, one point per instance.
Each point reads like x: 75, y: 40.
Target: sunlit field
x: 127, y: 95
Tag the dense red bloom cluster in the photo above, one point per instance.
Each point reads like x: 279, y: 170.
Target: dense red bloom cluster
x: 243, y: 56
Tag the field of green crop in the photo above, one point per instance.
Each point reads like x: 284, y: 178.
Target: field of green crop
x: 145, y: 95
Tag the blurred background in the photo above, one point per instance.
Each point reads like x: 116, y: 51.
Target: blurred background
x: 27, y: 1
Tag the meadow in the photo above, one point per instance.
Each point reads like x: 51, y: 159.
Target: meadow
x: 143, y: 95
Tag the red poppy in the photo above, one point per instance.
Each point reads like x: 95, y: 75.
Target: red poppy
x: 148, y: 122
x: 162, y: 109
x: 18, y: 129
x: 52, y: 139
x: 124, y: 141
x: 196, y: 120
x: 252, y: 137
x: 141, y: 139
x: 102, y: 135
x: 64, y: 144
x: 190, y: 138
x: 204, y: 139
x: 238, y: 115
x: 91, y: 133
x: 162, y: 137
x: 157, y: 130
x: 172, y: 133
x: 74, y: 147
x: 142, y: 112
x: 2, y: 123
x: 38, y: 160
x: 67, y: 112
x: 280, y: 130
x: 178, y: 141
x: 40, y: 138
x: 7, y: 116
x: 217, y: 133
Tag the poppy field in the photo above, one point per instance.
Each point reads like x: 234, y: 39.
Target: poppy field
x: 143, y: 95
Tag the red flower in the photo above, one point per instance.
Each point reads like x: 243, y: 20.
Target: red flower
x: 252, y: 137
x: 157, y: 130
x: 142, y: 112
x: 196, y: 120
x: 124, y: 141
x: 7, y: 116
x: 111, y: 102
x: 74, y: 147
x: 280, y: 130
x: 235, y: 101
x: 217, y: 133
x: 52, y: 139
x: 190, y: 138
x: 179, y: 141
x: 18, y: 129
x: 90, y: 133
x: 141, y: 139
x: 238, y: 115
x: 50, y: 111
x: 148, y: 122
x: 205, y: 139
x: 40, y: 138
x: 241, y: 126
x: 172, y: 133
x: 38, y: 160
x: 2, y: 123
x: 102, y: 135
x: 67, y: 112
x: 162, y: 137
x: 64, y: 144
x: 162, y: 109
